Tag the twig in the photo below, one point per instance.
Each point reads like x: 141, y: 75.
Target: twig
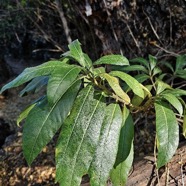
x: 165, y: 50
x: 151, y: 25
x: 63, y: 20
x: 112, y: 27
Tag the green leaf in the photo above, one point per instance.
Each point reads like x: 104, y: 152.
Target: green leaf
x: 79, y: 138
x: 88, y: 61
x: 177, y: 92
x: 167, y: 132
x: 114, y: 83
x: 141, y: 61
x: 32, y: 72
x: 107, y: 147
x: 141, y: 77
x: 43, y: 121
x: 123, y: 164
x: 25, y: 113
x: 61, y: 79
x: 168, y: 65
x: 136, y: 100
x: 181, y: 74
x: 134, y: 68
x: 184, y: 124
x: 131, y: 82
x: 180, y: 62
x: 156, y: 70
x: 174, y: 101
x: 112, y: 60
x: 77, y: 54
x: 161, y: 86
x: 35, y: 85
x: 98, y: 71
x: 153, y: 62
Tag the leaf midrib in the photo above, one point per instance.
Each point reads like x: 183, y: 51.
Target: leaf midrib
x: 75, y: 123
x: 63, y: 80
x: 79, y: 147
x: 105, y: 140
x: 46, y: 120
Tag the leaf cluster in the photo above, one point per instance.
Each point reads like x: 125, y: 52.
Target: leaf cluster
x: 92, y: 104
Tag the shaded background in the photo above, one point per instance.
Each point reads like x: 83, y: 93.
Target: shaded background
x: 33, y: 31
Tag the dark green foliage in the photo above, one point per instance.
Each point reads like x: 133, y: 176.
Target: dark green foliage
x: 94, y: 110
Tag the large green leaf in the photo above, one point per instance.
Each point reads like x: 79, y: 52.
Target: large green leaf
x: 114, y: 83
x: 167, y: 132
x: 134, y: 68
x: 79, y: 137
x: 60, y: 80
x: 25, y: 113
x: 112, y: 60
x: 174, y: 101
x: 32, y: 72
x: 43, y: 121
x: 177, y: 92
x: 140, y: 60
x: 141, y: 77
x: 131, y: 82
x: 119, y: 173
x: 77, y: 54
x: 35, y: 85
x: 106, y: 151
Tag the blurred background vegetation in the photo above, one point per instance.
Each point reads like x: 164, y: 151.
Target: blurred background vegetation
x: 33, y: 31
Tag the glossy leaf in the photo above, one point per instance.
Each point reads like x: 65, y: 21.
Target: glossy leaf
x: 167, y: 132
x: 77, y: 54
x: 79, y: 138
x: 123, y: 164
x: 32, y: 72
x: 60, y: 80
x: 114, y: 83
x: 153, y: 62
x: 134, y: 68
x: 136, y: 100
x: 43, y: 121
x: 184, y: 124
x: 141, y: 60
x: 112, y: 60
x: 161, y: 86
x: 181, y: 74
x: 107, y: 147
x: 141, y: 77
x: 98, y: 71
x: 176, y: 92
x: 35, y: 85
x: 156, y: 71
x: 131, y: 82
x: 25, y: 113
x: 174, y: 101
